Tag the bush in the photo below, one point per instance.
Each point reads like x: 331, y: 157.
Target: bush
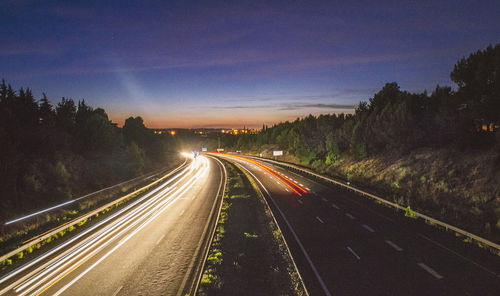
x: 409, y: 213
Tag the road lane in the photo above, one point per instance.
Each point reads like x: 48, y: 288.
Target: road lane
x: 346, y: 238
x: 143, y: 249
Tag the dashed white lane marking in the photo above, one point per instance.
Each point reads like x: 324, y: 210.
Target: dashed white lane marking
x: 430, y: 270
x: 301, y: 185
x: 287, y: 189
x: 295, y: 182
x: 335, y: 206
x: 324, y: 199
x: 159, y: 240
x: 117, y: 291
x: 354, y: 253
x: 307, y: 188
x: 182, y: 213
x: 350, y: 216
x: 396, y: 247
x: 368, y: 228
x: 319, y: 219
x: 300, y: 201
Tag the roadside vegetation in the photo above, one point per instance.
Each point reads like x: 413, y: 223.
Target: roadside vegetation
x: 248, y: 255
x: 51, y: 154
x: 438, y: 153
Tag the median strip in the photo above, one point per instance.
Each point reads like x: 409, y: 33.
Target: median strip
x: 246, y: 255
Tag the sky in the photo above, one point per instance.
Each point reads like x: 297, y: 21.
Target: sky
x: 235, y: 63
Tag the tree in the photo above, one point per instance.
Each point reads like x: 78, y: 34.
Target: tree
x: 478, y: 79
x: 135, y: 131
x: 47, y: 112
x: 66, y: 115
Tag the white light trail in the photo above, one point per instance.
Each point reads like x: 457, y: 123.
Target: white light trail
x: 47, y: 275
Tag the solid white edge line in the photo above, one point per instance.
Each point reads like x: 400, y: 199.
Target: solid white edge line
x: 222, y: 185
x: 301, y: 246
x: 179, y: 193
x: 458, y: 255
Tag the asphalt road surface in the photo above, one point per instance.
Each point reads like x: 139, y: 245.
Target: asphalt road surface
x: 345, y: 244
x: 150, y: 247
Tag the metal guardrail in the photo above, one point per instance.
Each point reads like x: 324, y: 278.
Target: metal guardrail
x: 72, y: 202
x: 86, y: 216
x: 389, y: 203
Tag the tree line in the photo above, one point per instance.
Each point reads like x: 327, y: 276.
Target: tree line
x: 53, y: 153
x: 398, y: 121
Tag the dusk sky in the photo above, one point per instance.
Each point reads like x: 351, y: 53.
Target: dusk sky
x: 229, y: 64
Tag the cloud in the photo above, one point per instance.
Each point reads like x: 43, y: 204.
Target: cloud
x: 287, y: 106
x: 318, y: 106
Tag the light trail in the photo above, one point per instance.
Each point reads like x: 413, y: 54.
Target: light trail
x: 294, y: 187
x: 47, y: 275
x: 180, y: 175
x: 71, y: 201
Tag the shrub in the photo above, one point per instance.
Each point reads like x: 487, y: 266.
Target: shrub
x: 409, y: 212
x: 82, y: 222
x: 249, y: 235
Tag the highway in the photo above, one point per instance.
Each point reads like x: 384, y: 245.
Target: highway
x: 345, y: 244
x: 151, y: 246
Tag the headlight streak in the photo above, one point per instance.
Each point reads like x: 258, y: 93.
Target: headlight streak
x: 31, y: 263
x: 95, y: 242
x: 54, y: 271
x: 294, y: 187
x: 130, y: 235
x: 122, y: 222
x: 40, y: 290
x: 177, y: 195
x: 62, y: 204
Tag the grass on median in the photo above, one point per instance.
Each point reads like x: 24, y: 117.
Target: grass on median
x: 245, y: 257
